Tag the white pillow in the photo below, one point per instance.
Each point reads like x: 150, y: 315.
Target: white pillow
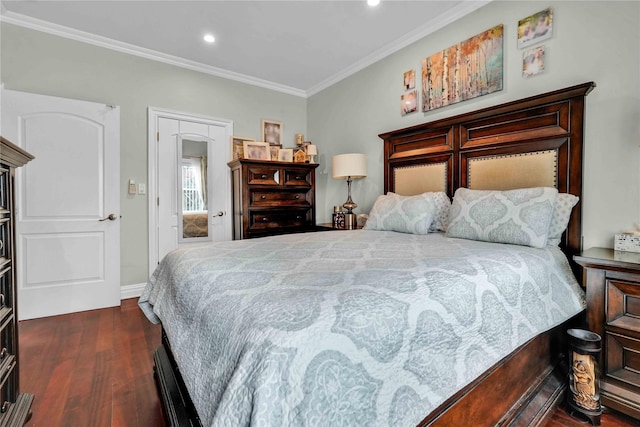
x: 518, y: 217
x: 561, y: 215
x: 405, y: 214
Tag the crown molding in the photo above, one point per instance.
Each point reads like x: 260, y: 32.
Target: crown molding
x: 430, y: 27
x: 105, y: 42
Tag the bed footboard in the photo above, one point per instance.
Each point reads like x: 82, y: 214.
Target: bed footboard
x: 521, y: 390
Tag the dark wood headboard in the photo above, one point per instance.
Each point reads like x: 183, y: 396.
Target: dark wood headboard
x: 551, y: 123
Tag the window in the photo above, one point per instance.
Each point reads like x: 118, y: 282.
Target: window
x: 192, y: 200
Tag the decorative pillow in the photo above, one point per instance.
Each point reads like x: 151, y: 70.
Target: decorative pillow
x: 561, y: 215
x: 405, y: 214
x: 441, y: 216
x: 518, y: 217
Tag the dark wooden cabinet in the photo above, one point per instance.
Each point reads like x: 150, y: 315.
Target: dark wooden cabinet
x: 15, y: 409
x: 612, y: 280
x: 272, y: 197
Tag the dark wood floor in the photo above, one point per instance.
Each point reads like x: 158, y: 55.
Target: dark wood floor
x: 95, y: 369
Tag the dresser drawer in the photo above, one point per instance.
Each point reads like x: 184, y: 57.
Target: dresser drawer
x: 262, y: 221
x: 263, y: 175
x: 623, y: 304
x: 277, y: 198
x: 7, y: 358
x: 6, y: 287
x: 4, y: 238
x: 297, y: 177
x: 622, y: 361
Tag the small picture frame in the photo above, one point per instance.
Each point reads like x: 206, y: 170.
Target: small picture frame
x: 237, y: 146
x: 285, y: 155
x: 535, y: 28
x: 533, y: 61
x: 409, y: 79
x: 256, y: 150
x: 409, y: 102
x: 271, y: 131
x: 274, y: 149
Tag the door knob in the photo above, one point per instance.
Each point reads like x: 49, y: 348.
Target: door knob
x: 220, y: 213
x: 111, y: 217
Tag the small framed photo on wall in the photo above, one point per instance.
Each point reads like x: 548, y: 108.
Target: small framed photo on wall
x: 533, y: 61
x: 271, y: 131
x: 535, y: 28
x: 409, y: 79
x: 409, y: 102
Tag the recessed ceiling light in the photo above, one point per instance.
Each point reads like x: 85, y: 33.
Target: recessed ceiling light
x: 209, y: 38
x: 373, y: 2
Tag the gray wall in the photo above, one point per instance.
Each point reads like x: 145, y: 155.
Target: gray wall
x: 592, y: 41
x: 36, y: 62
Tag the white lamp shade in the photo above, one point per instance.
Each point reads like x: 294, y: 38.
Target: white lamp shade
x: 349, y: 165
x: 312, y: 150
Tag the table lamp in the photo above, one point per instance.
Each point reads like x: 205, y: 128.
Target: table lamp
x: 312, y: 151
x: 349, y: 166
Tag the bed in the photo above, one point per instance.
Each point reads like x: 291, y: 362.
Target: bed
x: 376, y: 327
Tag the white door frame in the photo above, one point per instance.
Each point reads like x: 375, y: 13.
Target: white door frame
x: 154, y: 114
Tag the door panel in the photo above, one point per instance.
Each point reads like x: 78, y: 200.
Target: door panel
x: 68, y: 256
x: 171, y: 129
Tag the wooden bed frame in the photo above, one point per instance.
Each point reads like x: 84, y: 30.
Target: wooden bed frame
x: 524, y: 387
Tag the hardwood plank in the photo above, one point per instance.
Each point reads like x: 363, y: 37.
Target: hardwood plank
x: 91, y: 368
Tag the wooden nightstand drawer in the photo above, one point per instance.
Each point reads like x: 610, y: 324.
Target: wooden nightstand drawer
x: 297, y: 177
x: 622, y: 361
x: 263, y: 175
x: 277, y: 198
x: 623, y: 304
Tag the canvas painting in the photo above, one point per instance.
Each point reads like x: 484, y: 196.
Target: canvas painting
x: 463, y: 71
x: 535, y: 28
x: 533, y: 61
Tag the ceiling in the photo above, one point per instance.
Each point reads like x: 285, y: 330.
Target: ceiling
x: 297, y: 47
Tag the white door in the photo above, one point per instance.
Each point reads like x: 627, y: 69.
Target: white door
x: 172, y: 149
x: 67, y: 203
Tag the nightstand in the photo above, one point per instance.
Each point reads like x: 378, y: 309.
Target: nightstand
x: 612, y: 281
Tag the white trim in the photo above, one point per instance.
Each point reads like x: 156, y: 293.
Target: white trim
x: 154, y: 114
x: 430, y: 27
x: 131, y: 291
x: 105, y: 42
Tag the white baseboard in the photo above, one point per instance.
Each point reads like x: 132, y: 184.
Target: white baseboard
x: 131, y: 291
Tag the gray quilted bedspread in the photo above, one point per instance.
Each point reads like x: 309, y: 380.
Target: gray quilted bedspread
x: 349, y: 328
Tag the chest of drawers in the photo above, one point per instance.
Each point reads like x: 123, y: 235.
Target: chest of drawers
x: 272, y: 198
x: 15, y: 409
x: 612, y: 280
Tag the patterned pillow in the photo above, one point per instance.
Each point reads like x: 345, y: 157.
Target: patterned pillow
x: 518, y: 217
x: 405, y: 214
x: 441, y: 216
x: 561, y: 215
